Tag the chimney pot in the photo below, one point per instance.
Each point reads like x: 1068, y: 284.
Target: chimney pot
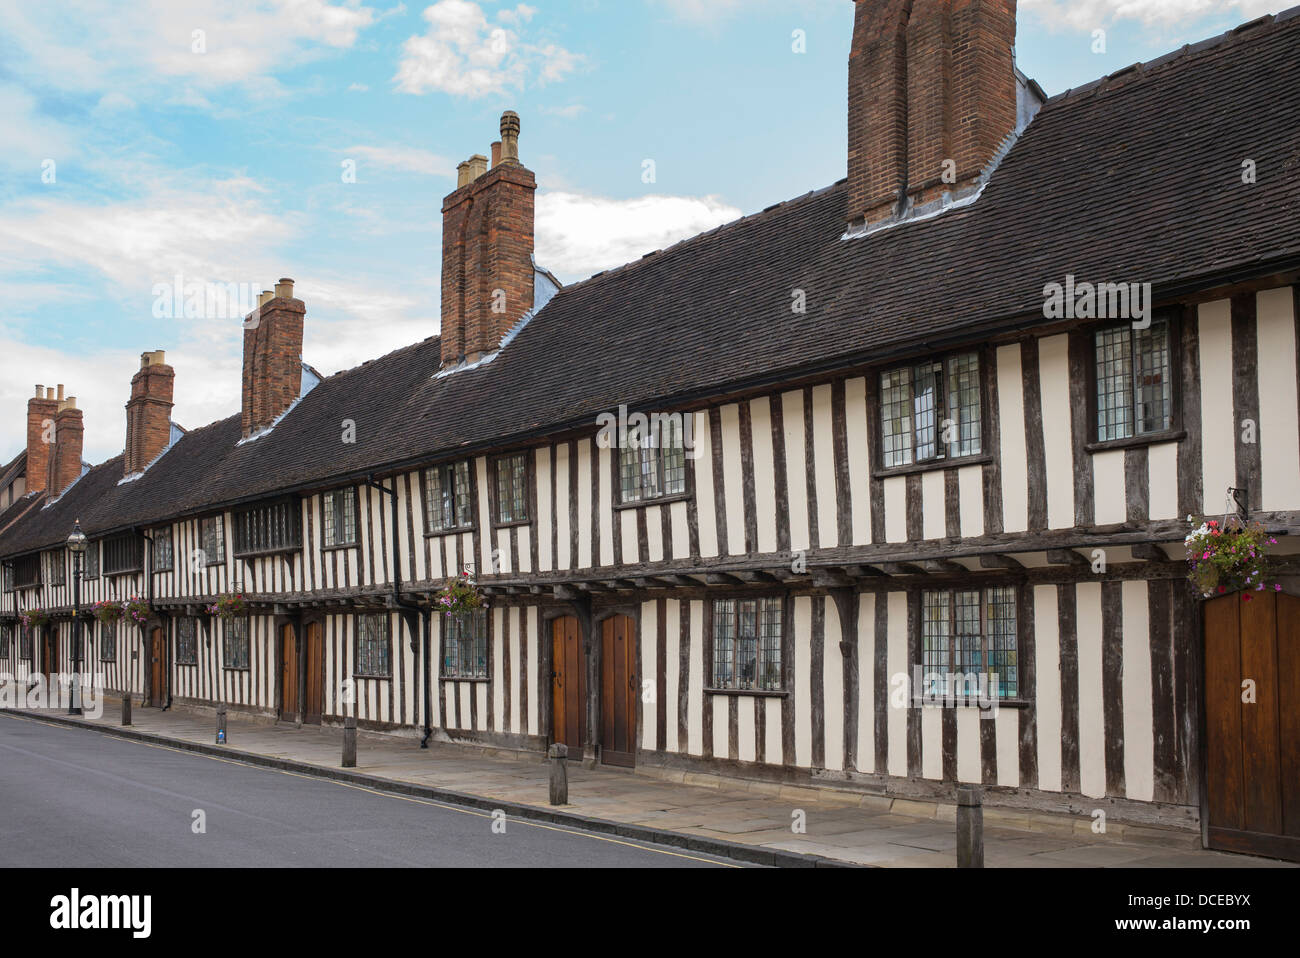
x: 462, y: 175
x: 284, y: 289
x: 478, y: 164
x: 496, y: 154
x: 510, y: 137
x: 60, y: 395
x: 39, y: 390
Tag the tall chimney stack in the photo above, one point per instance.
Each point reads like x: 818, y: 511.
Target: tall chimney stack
x: 487, y: 250
x: 272, y: 357
x: 65, y: 454
x: 932, y: 97
x: 148, y: 412
x: 41, y: 435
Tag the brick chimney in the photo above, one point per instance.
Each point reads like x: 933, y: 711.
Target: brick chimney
x: 932, y: 97
x: 65, y: 454
x: 487, y: 250
x: 272, y: 357
x: 148, y: 412
x: 41, y: 411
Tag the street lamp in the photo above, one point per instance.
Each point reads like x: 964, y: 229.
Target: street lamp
x: 77, y: 546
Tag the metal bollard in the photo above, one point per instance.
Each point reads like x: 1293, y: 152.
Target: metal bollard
x: 126, y: 708
x: 349, y: 742
x: 221, y: 725
x: 970, y: 826
x: 559, y: 755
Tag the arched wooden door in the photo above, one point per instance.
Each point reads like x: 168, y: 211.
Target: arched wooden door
x: 313, y: 705
x: 618, y: 691
x: 1252, y: 724
x: 568, y: 686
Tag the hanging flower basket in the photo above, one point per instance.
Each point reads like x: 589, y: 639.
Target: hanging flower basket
x: 106, y: 611
x: 232, y: 605
x: 33, y: 618
x: 136, y: 610
x: 459, y: 598
x: 1229, y: 558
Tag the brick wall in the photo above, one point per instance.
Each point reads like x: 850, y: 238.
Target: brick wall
x: 65, y: 454
x: 40, y: 409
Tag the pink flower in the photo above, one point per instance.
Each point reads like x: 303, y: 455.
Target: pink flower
x: 1277, y: 587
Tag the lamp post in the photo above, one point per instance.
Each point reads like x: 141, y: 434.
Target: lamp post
x: 77, y: 546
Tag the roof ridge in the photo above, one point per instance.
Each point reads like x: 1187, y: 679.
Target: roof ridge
x: 1188, y: 51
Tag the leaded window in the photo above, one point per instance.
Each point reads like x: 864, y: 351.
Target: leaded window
x: 108, y: 641
x: 931, y: 411
x: 234, y: 643
x: 653, y: 465
x: 162, y: 550
x: 213, y: 535
x: 447, y: 501
x: 1134, y: 381
x: 464, y: 646
x: 5, y: 633
x: 268, y: 528
x: 91, y: 565
x: 512, y: 488
x: 340, y: 517
x: 967, y: 632
x: 123, y: 553
x: 27, y: 571
x: 374, y: 649
x: 747, y: 644
x: 57, y: 567
x: 9, y: 577
x: 187, y: 643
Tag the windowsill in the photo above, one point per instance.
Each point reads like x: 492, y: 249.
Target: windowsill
x: 932, y: 464
x: 758, y: 693
x: 161, y: 571
x: 1001, y: 703
x: 453, y: 531
x: 373, y: 678
x: 457, y: 678
x: 187, y: 665
x: 656, y: 501
x: 113, y: 575
x: 235, y: 668
x: 513, y: 524
x: 267, y: 553
x: 1132, y: 442
x: 341, y: 547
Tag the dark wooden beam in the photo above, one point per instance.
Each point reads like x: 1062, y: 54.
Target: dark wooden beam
x: 1065, y: 557
x: 721, y: 578
x: 1150, y: 552
x: 993, y: 561
x: 831, y: 579
x: 902, y: 568
x: 943, y: 565
x: 568, y: 593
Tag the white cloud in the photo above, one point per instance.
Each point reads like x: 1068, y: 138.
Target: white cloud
x: 570, y: 112
x: 30, y: 138
x: 578, y: 235
x: 405, y: 159
x: 463, y: 54
x: 1089, y: 14
x: 701, y: 11
x: 87, y: 46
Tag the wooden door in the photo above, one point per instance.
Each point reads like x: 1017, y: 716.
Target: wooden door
x: 618, y: 691
x: 568, y: 685
x: 313, y: 704
x: 157, y: 666
x: 288, y: 673
x: 1252, y: 724
x: 50, y: 657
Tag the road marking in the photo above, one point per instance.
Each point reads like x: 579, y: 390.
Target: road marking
x: 383, y: 794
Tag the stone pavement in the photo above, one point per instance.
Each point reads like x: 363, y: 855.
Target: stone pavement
x: 843, y: 826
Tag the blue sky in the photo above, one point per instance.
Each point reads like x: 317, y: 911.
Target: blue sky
x: 220, y: 155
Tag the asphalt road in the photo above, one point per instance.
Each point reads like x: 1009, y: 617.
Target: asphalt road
x: 79, y: 798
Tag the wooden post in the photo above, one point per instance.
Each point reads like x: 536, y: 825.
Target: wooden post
x: 559, y: 755
x: 221, y: 725
x: 126, y: 708
x: 970, y: 827
x: 350, y: 742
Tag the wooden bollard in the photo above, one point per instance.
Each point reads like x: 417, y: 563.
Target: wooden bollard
x: 559, y: 754
x: 970, y: 826
x: 222, y: 738
x: 349, y: 742
x: 126, y: 708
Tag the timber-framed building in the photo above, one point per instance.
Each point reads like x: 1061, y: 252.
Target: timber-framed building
x: 900, y: 457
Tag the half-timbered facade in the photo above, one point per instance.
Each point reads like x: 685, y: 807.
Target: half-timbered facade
x: 883, y: 462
